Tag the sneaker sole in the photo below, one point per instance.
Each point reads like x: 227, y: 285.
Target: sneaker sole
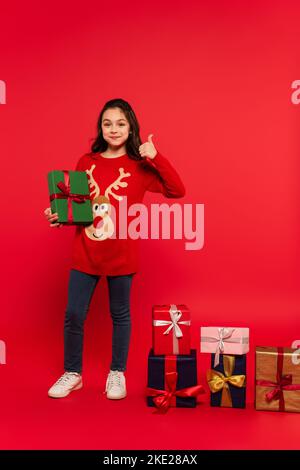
x: 116, y: 398
x: 78, y: 387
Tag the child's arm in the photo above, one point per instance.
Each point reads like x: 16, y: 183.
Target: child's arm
x: 162, y: 178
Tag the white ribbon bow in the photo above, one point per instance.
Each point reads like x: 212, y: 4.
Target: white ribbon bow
x: 173, y: 323
x: 224, y: 336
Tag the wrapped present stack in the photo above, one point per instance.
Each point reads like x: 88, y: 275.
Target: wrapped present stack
x: 227, y: 376
x: 70, y: 197
x: 172, y: 365
x: 277, y: 380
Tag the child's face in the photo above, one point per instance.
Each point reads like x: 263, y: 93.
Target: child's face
x: 115, y: 127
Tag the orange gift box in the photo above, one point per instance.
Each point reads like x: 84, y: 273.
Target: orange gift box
x: 277, y: 380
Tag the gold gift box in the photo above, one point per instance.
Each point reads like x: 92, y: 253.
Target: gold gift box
x: 277, y: 380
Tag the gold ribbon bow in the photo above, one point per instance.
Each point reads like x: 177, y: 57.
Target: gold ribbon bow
x: 218, y: 381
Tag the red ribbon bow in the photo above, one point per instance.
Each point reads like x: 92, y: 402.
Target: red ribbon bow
x: 163, y: 399
x: 284, y: 382
x: 66, y: 190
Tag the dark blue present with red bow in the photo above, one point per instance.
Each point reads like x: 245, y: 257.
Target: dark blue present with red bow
x: 172, y: 381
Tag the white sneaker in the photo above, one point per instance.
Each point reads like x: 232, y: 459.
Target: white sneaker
x: 115, y: 385
x: 68, y: 382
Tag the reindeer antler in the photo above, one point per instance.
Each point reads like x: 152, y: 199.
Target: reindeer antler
x: 116, y: 184
x: 92, y: 182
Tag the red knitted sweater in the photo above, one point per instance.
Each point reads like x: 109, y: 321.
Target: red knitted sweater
x: 101, y: 247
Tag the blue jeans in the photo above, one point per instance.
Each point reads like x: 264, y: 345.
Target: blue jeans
x: 80, y: 291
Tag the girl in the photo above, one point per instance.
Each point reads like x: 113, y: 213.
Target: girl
x: 120, y: 169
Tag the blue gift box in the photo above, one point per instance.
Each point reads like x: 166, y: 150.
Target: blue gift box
x: 186, y: 368
x: 237, y: 394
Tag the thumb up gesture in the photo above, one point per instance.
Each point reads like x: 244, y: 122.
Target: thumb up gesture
x: 147, y: 149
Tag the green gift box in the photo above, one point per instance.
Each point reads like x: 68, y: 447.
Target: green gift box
x: 70, y: 197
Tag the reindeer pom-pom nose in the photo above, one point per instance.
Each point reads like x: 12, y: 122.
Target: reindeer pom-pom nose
x: 96, y: 221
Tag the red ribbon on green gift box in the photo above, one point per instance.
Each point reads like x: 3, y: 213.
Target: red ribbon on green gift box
x: 283, y: 382
x: 65, y: 189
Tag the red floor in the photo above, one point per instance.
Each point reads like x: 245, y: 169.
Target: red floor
x: 87, y: 420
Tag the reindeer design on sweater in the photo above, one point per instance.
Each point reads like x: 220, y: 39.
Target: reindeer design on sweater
x: 103, y: 226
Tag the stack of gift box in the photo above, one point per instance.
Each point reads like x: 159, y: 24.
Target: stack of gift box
x: 172, y: 364
x: 227, y: 376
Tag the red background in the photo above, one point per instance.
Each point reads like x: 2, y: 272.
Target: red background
x: 212, y: 82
